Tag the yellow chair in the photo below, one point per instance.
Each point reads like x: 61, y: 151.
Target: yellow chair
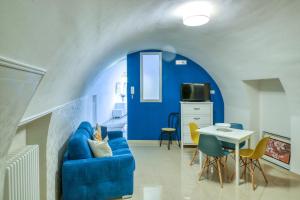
x: 252, y: 156
x: 195, y: 138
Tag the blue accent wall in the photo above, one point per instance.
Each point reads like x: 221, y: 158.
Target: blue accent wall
x: 146, y: 119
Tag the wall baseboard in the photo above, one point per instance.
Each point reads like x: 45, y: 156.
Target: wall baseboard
x: 143, y: 142
x: 153, y: 143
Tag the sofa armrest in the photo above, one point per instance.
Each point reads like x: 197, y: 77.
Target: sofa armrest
x: 66, y: 156
x: 92, y: 170
x: 114, y: 134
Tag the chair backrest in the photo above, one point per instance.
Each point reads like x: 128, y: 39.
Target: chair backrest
x: 210, y: 145
x: 194, y: 134
x: 173, y: 120
x: 260, y: 148
x: 236, y: 126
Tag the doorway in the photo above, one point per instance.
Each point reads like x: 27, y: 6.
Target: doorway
x: 109, y: 97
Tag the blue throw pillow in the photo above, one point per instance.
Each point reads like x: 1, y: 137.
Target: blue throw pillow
x: 103, y: 132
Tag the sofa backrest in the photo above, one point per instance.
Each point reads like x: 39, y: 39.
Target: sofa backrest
x: 78, y: 147
x: 88, y: 127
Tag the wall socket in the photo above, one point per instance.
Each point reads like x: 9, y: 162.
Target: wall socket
x: 181, y: 62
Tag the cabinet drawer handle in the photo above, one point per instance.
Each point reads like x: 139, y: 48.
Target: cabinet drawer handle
x: 196, y: 118
x: 196, y: 108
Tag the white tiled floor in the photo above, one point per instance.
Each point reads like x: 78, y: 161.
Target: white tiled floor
x: 166, y: 175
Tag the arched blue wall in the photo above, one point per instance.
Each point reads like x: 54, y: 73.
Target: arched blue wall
x: 146, y: 119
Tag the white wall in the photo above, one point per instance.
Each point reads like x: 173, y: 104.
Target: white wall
x: 270, y: 111
x: 104, y: 87
x: 253, y: 123
x: 36, y: 133
x: 51, y: 132
x: 19, y: 140
x: 274, y: 110
x: 63, y: 123
x: 295, y: 147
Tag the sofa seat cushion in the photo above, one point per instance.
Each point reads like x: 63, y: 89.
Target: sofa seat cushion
x: 121, y: 151
x: 115, y: 134
x: 118, y: 143
x: 78, y: 147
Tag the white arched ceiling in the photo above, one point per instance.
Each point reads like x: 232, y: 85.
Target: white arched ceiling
x: 74, y: 40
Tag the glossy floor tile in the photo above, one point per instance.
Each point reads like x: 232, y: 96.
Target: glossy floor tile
x: 166, y: 175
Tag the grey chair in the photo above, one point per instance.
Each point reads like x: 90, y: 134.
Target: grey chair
x: 212, y: 148
x: 231, y: 146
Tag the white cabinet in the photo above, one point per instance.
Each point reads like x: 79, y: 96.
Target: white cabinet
x: 199, y: 112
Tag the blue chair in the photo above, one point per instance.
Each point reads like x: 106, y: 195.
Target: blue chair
x: 212, y: 147
x: 231, y: 146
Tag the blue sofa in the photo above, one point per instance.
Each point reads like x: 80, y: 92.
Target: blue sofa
x: 87, y: 178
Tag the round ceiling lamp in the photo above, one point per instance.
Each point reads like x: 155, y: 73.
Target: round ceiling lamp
x: 195, y: 13
x: 195, y: 20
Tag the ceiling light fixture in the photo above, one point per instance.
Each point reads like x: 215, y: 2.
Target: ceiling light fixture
x: 195, y: 20
x: 195, y: 13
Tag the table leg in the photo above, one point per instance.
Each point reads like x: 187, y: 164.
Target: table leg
x: 237, y: 163
x: 249, y: 142
x: 200, y: 158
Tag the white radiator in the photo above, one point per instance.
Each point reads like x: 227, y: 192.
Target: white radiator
x: 22, y: 174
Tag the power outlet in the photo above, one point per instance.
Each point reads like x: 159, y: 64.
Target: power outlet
x: 181, y: 62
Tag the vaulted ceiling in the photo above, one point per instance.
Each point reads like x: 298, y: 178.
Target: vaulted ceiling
x: 74, y: 40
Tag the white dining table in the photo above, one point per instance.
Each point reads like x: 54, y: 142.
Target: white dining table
x: 235, y: 136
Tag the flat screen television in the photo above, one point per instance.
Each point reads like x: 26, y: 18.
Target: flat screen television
x: 196, y: 92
